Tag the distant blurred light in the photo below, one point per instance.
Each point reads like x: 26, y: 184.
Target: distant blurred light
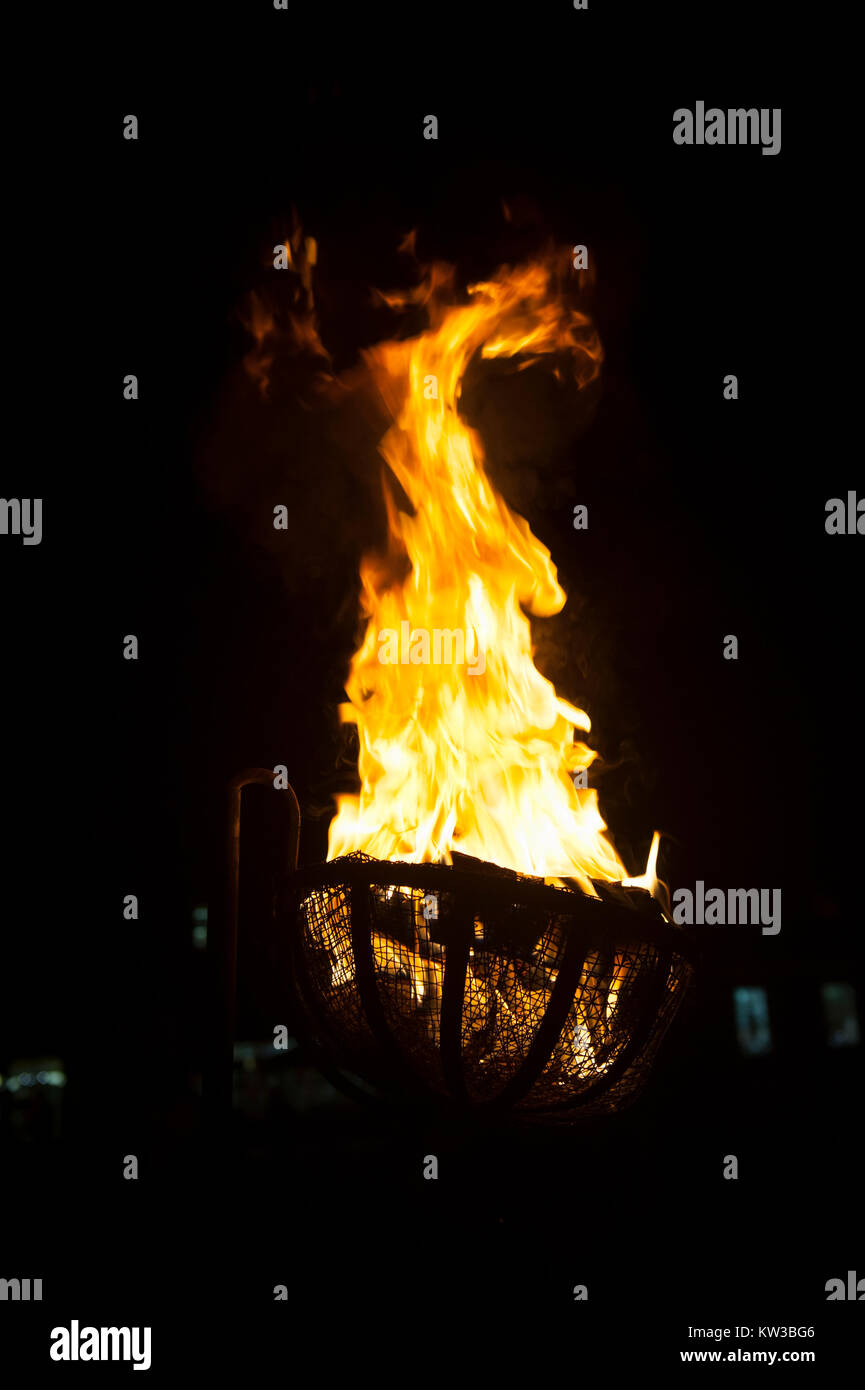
x: 263, y: 1051
x: 840, y: 1015
x: 49, y: 1073
x: 753, y: 1031
x: 199, y: 927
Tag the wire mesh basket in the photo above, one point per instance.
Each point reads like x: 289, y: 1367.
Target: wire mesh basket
x: 484, y: 989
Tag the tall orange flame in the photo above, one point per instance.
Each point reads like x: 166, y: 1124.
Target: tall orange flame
x: 476, y: 755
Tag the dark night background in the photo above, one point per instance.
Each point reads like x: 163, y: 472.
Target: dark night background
x: 706, y: 517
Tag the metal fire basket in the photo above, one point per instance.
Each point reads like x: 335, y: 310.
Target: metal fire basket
x: 481, y: 988
x: 468, y: 986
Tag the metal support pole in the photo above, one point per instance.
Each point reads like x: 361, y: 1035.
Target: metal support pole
x: 222, y: 946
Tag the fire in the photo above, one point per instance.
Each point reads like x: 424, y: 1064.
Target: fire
x: 258, y: 361
x: 476, y: 755
x: 300, y: 325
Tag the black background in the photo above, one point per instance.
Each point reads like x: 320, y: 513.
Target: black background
x: 706, y: 518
